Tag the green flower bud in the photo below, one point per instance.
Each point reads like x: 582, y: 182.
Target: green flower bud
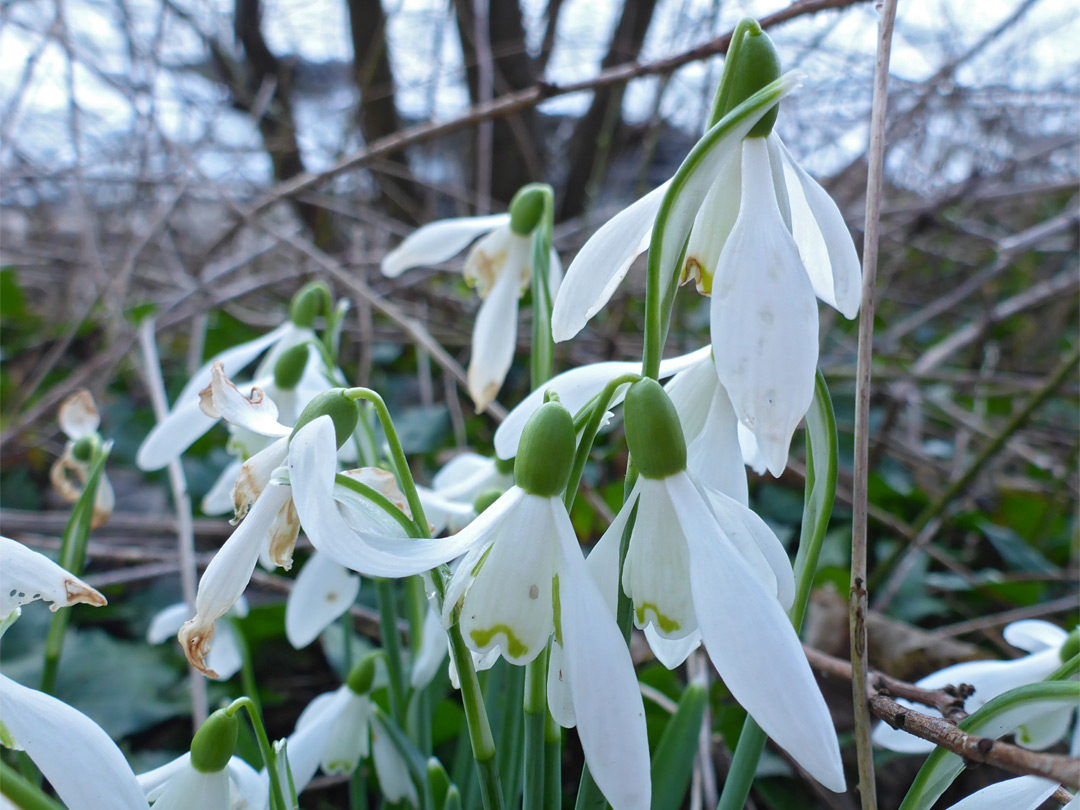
x: 289, y: 367
x: 84, y: 448
x: 453, y: 799
x: 653, y: 432
x: 526, y: 209
x: 546, y: 451
x: 337, y: 406
x: 1071, y: 647
x: 504, y: 465
x: 310, y: 301
x: 486, y: 499
x: 754, y: 65
x: 363, y: 674
x: 213, y: 745
x: 439, y: 781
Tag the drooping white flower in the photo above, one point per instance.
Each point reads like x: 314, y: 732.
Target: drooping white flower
x: 500, y: 266
x: 1021, y: 793
x: 27, y: 575
x: 322, y: 591
x: 699, y: 561
x: 79, y: 419
x: 1043, y: 641
x: 177, y: 785
x: 76, y: 756
x: 224, y: 657
x: 451, y: 500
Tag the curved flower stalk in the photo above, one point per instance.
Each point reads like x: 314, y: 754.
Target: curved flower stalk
x: 1021, y: 793
x: 450, y: 502
x: 700, y: 561
x: 224, y: 658
x: 79, y: 420
x: 339, y: 729
x: 27, y: 575
x: 81, y: 762
x: 1046, y: 645
x: 500, y: 266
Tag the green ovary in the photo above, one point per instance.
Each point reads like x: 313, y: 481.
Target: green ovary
x: 515, y: 647
x: 665, y: 624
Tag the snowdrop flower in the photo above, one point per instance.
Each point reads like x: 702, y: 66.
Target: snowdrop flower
x: 79, y: 419
x: 224, y: 658
x: 450, y: 503
x: 27, y: 575
x: 1021, y: 793
x: 322, y: 591
x: 74, y: 753
x: 1048, y: 646
x: 762, y: 255
x: 339, y: 729
x: 500, y: 266
x: 700, y: 561
x: 208, y: 777
x: 187, y: 421
x: 525, y: 580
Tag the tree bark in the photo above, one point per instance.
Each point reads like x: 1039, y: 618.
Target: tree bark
x: 594, y: 135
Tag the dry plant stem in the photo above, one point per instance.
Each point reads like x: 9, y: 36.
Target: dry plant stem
x: 185, y: 532
x: 857, y: 604
x: 1012, y: 758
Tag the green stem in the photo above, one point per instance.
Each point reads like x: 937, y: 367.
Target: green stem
x: 247, y: 666
x: 391, y: 642
x: 483, y: 744
x: 277, y: 796
x: 419, y: 717
x: 535, y: 726
x: 552, y: 764
x: 511, y: 735
x: 599, y: 406
x: 543, y: 347
x: 22, y: 792
x: 358, y: 799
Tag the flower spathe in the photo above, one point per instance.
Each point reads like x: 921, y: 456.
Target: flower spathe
x: 81, y: 762
x: 27, y: 575
x: 1043, y: 641
x: 177, y: 785
x: 79, y: 419
x: 500, y: 266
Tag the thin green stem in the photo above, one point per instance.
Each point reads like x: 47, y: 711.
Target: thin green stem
x: 512, y: 735
x: 483, y: 744
x: 543, y: 347
x: 598, y: 406
x: 22, y: 792
x: 247, y: 666
x: 535, y: 727
x: 277, y: 795
x: 358, y: 799
x: 391, y: 642
x: 552, y: 764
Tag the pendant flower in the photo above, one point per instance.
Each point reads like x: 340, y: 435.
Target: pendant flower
x: 699, y: 560
x: 74, y: 753
x: 1048, y: 646
x: 500, y: 266
x: 224, y: 657
x: 27, y: 575
x: 339, y: 729
x: 79, y: 419
x: 322, y: 591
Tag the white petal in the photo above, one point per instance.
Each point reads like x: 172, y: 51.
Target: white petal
x: 712, y: 225
x: 252, y: 411
x: 752, y: 644
x: 607, y: 702
x: 436, y: 242
x: 575, y: 388
x: 751, y: 453
x: 219, y: 500
x: 153, y: 782
x: 228, y: 574
x: 224, y: 657
x: 462, y: 467
x: 190, y: 788
x: 434, y: 646
x: 348, y: 740
x: 764, y: 320
x: 167, y: 622
x: 393, y: 772
x: 322, y: 591
x: 602, y: 263
x: 1034, y: 635
x: 173, y: 435
x: 603, y: 560
x: 509, y: 604
x: 823, y: 239
x: 312, y: 467
x: 81, y: 762
x: 691, y: 392
x: 714, y: 455
x: 443, y: 514
x: 494, y: 339
x: 1040, y: 733
x: 1021, y: 793
x: 27, y: 575
x: 672, y: 652
x: 250, y: 789
x: 255, y: 474
x: 306, y: 743
x: 79, y: 415
x: 559, y: 697
x: 555, y: 274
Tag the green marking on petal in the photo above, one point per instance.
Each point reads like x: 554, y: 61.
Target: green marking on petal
x: 7, y: 739
x: 515, y: 647
x: 339, y: 766
x: 480, y: 563
x: 666, y: 625
x: 556, y: 605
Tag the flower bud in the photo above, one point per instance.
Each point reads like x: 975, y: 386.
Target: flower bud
x: 213, y: 745
x: 486, y: 499
x: 83, y: 449
x: 653, y: 432
x: 362, y: 674
x: 1071, y: 647
x: 526, y: 209
x: 754, y: 65
x: 546, y: 451
x: 308, y: 303
x: 337, y: 406
x: 289, y: 367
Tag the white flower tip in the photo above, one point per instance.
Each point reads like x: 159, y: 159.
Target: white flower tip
x: 483, y: 394
x: 78, y: 592
x: 78, y: 414
x: 565, y: 325
x: 195, y: 638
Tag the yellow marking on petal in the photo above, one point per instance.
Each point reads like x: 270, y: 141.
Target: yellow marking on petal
x: 515, y: 647
x: 666, y: 625
x: 7, y: 739
x: 556, y: 606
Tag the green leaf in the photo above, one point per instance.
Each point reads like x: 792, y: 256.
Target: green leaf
x: 673, y: 760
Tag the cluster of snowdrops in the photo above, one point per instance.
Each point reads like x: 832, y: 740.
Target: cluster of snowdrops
x: 491, y: 563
